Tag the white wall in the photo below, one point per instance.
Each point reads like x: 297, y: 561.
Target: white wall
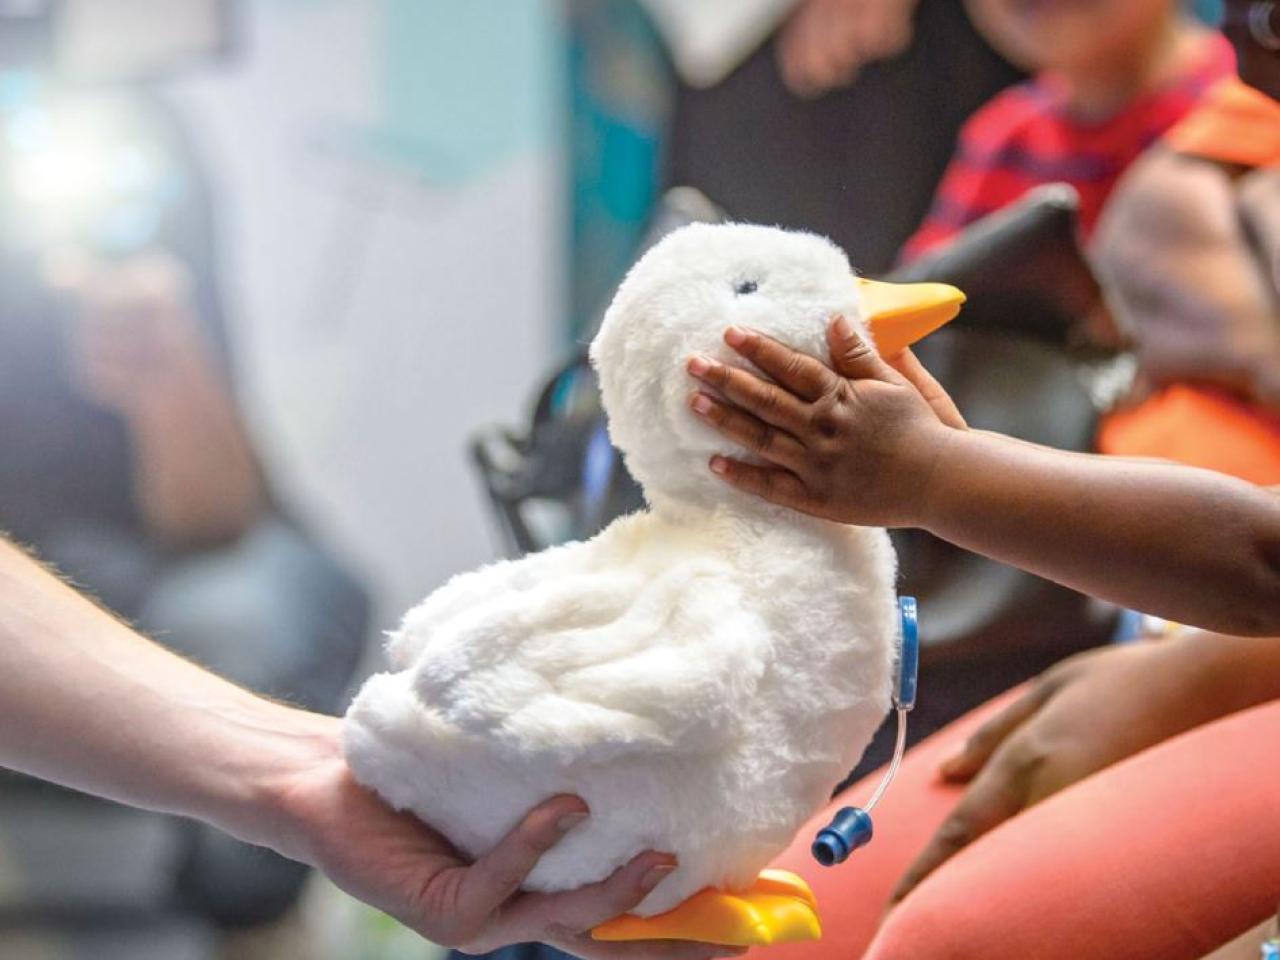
x: 381, y: 316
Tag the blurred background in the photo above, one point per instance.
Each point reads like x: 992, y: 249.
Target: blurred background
x: 266, y: 267
x: 293, y: 296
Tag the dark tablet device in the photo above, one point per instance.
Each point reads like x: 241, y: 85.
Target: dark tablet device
x: 1021, y: 268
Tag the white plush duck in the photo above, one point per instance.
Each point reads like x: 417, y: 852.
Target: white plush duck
x: 703, y: 673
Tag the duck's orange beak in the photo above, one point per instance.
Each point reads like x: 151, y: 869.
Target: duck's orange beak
x: 899, y: 314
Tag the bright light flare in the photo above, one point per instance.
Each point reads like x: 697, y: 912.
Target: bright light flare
x: 59, y: 165
x: 73, y: 169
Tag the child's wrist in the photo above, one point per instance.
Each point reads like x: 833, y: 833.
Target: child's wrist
x: 950, y: 456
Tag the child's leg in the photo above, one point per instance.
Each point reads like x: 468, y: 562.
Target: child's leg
x: 1166, y: 855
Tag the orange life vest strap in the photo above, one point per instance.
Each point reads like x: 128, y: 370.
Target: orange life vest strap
x: 1234, y: 123
x: 1201, y: 427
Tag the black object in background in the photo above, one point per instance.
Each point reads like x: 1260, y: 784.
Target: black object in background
x: 1021, y: 269
x: 858, y: 164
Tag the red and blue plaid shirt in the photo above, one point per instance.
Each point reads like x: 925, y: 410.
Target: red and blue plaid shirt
x: 1026, y: 137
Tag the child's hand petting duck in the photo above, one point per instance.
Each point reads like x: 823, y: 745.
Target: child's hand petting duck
x: 881, y: 444
x: 855, y: 445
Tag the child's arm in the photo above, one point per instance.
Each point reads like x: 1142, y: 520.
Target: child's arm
x: 867, y: 448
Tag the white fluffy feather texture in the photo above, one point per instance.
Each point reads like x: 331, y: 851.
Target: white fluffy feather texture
x: 702, y: 674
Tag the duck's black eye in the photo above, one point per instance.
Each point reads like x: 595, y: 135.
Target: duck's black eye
x: 744, y: 287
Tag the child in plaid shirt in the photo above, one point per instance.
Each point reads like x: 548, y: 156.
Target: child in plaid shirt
x: 1111, y: 77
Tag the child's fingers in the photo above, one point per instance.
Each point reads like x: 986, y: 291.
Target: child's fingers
x: 770, y: 483
x: 852, y: 356
x: 742, y: 428
x: 804, y: 376
x: 998, y: 794
x: 986, y: 740
x: 767, y: 401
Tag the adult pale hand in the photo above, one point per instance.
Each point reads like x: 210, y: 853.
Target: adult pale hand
x: 400, y: 865
x: 88, y: 703
x: 826, y: 42
x: 1089, y: 712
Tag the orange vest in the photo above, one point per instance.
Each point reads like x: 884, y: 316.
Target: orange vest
x: 1201, y: 426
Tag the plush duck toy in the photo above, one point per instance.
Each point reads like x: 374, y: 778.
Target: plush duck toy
x: 702, y: 673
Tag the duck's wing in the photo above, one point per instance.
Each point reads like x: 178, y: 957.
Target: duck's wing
x: 470, y: 597
x: 598, y: 663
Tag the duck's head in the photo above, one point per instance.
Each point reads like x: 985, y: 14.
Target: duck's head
x: 678, y: 300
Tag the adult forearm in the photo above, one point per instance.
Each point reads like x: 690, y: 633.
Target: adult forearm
x: 88, y: 703
x: 1189, y: 545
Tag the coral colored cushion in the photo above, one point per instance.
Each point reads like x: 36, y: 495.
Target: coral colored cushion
x: 852, y: 897
x: 1165, y: 856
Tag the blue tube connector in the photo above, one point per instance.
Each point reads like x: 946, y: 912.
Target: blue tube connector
x: 907, y: 669
x: 851, y: 829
